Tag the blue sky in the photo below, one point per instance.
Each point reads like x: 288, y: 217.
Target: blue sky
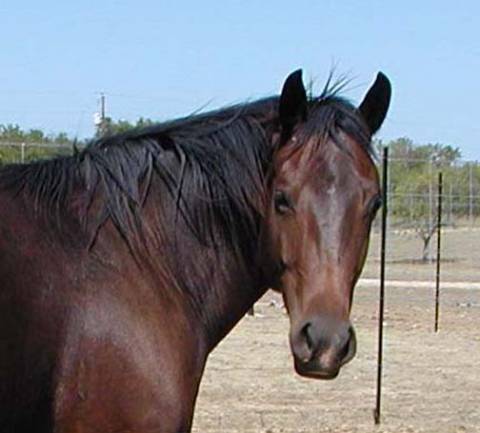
x: 161, y: 59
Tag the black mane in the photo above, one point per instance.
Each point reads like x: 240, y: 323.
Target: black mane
x: 213, y: 166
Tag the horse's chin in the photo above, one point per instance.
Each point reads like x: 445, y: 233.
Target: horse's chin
x: 313, y: 370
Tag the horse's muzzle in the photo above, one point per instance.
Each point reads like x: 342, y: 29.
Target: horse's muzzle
x: 321, y: 346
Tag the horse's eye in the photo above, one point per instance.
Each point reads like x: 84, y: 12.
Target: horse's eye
x: 282, y: 202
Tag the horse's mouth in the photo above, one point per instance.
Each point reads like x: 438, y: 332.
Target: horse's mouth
x: 314, y: 370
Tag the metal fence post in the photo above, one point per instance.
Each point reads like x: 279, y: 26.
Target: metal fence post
x: 382, y: 286
x: 439, y: 233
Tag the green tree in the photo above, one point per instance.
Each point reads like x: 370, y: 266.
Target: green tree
x: 111, y: 127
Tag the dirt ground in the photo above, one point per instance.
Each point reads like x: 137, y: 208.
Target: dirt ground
x: 460, y: 255
x: 431, y: 381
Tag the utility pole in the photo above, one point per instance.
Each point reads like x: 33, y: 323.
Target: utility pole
x: 102, y: 107
x: 100, y: 118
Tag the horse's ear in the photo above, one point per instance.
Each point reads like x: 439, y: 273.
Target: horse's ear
x: 293, y: 101
x: 374, y: 106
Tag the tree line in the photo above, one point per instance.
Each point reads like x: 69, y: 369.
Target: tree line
x: 413, y: 173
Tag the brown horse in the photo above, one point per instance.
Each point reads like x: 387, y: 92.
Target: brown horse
x: 123, y: 266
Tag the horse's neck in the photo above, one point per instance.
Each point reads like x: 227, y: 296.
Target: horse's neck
x: 220, y: 289
x: 222, y: 286
x: 213, y: 289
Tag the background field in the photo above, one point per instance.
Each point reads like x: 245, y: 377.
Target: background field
x: 460, y: 255
x: 431, y: 381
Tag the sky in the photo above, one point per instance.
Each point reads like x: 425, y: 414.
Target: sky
x: 162, y: 60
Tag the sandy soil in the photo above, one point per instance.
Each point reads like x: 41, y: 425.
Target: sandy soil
x: 431, y: 381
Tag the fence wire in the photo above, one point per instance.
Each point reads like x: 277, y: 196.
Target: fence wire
x: 411, y: 230
x: 21, y: 152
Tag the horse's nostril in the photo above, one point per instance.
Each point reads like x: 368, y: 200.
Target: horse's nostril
x: 306, y: 334
x: 345, y: 349
x: 350, y: 348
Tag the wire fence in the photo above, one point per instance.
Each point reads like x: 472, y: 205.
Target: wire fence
x: 21, y: 152
x: 412, y: 221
